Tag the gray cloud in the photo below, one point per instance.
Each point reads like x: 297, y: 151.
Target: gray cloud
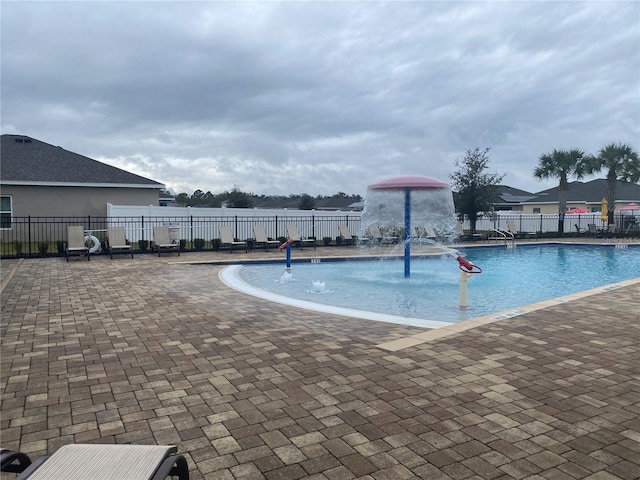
x: 316, y: 97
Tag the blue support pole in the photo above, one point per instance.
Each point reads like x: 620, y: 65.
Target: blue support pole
x: 407, y: 233
x: 288, y: 256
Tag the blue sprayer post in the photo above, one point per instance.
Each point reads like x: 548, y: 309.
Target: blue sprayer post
x: 288, y: 255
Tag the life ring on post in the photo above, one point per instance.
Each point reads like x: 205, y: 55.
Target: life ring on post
x: 88, y: 240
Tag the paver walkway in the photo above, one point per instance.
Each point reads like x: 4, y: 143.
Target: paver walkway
x: 147, y: 350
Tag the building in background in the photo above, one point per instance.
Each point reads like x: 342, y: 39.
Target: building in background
x: 42, y: 180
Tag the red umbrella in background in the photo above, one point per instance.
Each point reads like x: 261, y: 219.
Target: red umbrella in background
x: 630, y: 207
x: 574, y: 211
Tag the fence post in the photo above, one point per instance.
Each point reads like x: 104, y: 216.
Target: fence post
x: 235, y: 222
x: 191, y: 228
x: 142, y: 227
x: 29, y: 233
x: 313, y: 226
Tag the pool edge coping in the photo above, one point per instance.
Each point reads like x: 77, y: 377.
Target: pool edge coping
x: 465, y: 325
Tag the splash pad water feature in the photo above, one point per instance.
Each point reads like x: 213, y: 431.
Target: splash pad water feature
x: 420, y: 201
x: 390, y: 201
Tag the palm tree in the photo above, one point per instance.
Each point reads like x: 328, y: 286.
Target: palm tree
x: 562, y: 164
x: 622, y: 163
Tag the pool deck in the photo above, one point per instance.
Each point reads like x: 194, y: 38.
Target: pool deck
x: 157, y: 350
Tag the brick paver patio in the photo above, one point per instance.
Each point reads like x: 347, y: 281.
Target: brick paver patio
x: 149, y: 350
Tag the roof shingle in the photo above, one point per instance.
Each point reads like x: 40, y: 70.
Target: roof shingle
x: 27, y: 160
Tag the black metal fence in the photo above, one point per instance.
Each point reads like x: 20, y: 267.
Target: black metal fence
x: 47, y: 236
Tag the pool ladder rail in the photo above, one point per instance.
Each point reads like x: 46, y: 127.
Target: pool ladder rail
x: 500, y: 234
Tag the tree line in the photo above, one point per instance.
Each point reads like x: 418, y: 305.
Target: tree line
x: 236, y: 198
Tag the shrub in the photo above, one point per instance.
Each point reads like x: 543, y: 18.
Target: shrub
x: 198, y: 244
x: 338, y: 241
x: 215, y: 244
x: 60, y: 246
x: 326, y: 241
x: 183, y: 245
x: 143, y: 245
x: 104, y: 241
x: 18, y: 245
x: 43, y: 247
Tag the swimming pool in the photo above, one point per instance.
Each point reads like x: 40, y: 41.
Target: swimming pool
x: 511, y: 277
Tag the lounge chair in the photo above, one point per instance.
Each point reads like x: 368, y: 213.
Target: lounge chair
x: 75, y: 242
x: 347, y: 238
x: 105, y: 462
x: 162, y: 241
x: 517, y: 233
x: 13, y: 462
x: 117, y: 241
x: 424, y: 235
x: 466, y: 236
x: 378, y: 237
x: 429, y: 233
x: 227, y: 240
x: 592, y: 229
x: 262, y: 239
x: 294, y: 235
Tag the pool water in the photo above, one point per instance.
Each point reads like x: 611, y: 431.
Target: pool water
x: 511, y: 277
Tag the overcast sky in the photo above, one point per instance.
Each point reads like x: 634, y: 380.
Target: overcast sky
x: 320, y: 97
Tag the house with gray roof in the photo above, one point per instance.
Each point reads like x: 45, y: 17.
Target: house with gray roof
x: 511, y: 198
x: 586, y: 195
x: 42, y: 180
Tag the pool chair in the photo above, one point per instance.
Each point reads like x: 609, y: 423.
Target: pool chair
x: 347, y: 238
x: 592, y: 229
x: 519, y: 234
x: 162, y: 241
x: 106, y: 462
x: 117, y: 241
x: 262, y: 239
x: 75, y: 242
x: 292, y: 232
x: 13, y: 462
x: 379, y: 238
x: 423, y: 235
x: 227, y: 240
x: 466, y: 236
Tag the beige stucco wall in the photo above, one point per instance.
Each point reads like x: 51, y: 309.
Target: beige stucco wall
x: 74, y: 201
x: 552, y: 208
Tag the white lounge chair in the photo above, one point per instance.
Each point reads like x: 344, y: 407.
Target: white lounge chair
x: 294, y: 235
x: 517, y: 233
x: 117, y: 241
x: 464, y: 236
x: 347, y: 238
x: 227, y: 240
x: 262, y: 239
x: 75, y: 242
x: 378, y: 237
x: 106, y: 462
x: 162, y: 241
